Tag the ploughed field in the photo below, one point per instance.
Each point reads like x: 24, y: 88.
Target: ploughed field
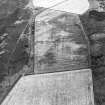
x: 60, y: 42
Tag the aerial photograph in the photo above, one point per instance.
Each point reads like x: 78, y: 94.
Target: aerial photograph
x: 52, y: 52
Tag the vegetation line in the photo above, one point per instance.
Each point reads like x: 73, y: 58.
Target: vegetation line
x: 87, y: 39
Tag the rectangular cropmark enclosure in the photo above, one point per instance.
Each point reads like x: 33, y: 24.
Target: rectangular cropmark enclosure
x: 60, y: 43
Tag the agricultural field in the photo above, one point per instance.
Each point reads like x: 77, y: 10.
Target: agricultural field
x: 14, y: 58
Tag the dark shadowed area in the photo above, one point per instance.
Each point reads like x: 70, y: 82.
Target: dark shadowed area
x: 94, y: 25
